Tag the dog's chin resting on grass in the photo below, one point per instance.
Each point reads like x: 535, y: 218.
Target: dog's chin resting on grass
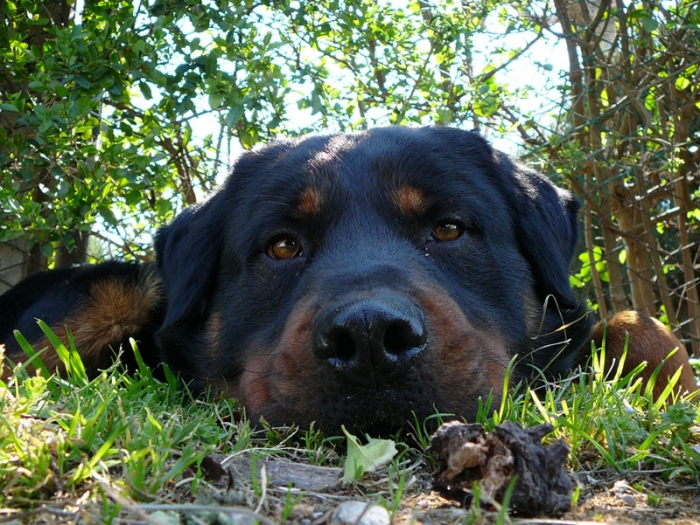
x: 352, y: 279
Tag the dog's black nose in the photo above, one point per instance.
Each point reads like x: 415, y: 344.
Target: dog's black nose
x: 372, y: 338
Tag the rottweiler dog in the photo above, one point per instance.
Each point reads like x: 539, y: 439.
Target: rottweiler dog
x: 352, y: 279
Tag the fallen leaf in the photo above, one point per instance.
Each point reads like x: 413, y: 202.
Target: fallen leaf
x: 366, y: 458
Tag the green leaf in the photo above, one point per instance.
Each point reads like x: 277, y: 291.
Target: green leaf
x: 211, y: 66
x: 145, y: 90
x: 83, y: 82
x: 366, y: 458
x: 233, y: 116
x: 682, y: 83
x: 47, y: 249
x: 649, y: 24
x: 215, y: 100
x: 6, y: 106
x: 163, y: 207
x: 694, y: 214
x: 444, y: 116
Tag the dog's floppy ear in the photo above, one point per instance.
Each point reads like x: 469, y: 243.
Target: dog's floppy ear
x: 187, y: 252
x: 546, y: 226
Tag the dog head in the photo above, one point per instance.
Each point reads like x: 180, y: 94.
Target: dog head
x: 359, y: 279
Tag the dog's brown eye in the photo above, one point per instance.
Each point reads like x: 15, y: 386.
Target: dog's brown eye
x: 447, y: 231
x: 284, y: 248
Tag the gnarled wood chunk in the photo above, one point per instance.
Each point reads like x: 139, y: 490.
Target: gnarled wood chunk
x: 469, y: 454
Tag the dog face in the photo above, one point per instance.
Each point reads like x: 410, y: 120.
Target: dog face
x: 358, y: 279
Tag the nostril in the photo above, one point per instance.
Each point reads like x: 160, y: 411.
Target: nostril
x: 401, y: 337
x: 345, y: 349
x: 337, y: 345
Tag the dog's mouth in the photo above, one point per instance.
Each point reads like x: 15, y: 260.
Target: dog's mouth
x: 376, y: 411
x: 374, y: 362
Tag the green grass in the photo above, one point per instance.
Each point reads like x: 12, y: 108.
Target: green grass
x: 126, y: 447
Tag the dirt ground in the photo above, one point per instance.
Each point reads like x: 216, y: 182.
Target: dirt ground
x: 640, y: 500
x: 297, y: 493
x: 609, y: 502
x: 610, y: 498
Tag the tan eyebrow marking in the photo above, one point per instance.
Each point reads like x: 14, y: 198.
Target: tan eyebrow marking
x: 410, y: 200
x: 309, y: 203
